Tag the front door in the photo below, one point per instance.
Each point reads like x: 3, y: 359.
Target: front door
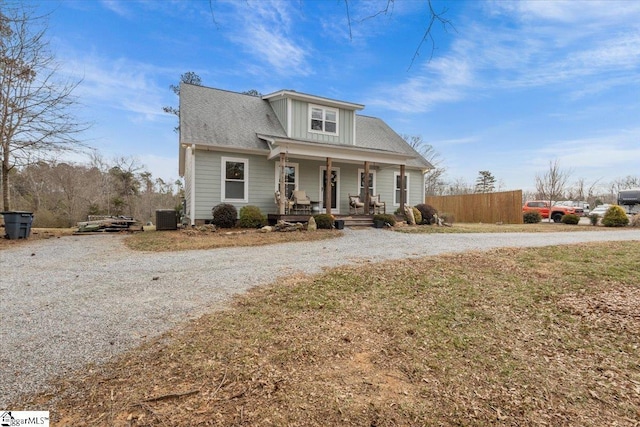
x: 335, y: 188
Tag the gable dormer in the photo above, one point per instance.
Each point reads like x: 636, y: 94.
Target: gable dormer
x: 313, y: 118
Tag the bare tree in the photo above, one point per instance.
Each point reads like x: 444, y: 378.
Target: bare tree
x: 551, y: 185
x: 64, y: 193
x: 458, y: 186
x: 627, y: 182
x: 433, y: 180
x: 35, y: 106
x: 434, y: 18
x: 126, y: 184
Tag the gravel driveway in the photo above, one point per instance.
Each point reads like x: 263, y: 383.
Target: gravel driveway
x: 68, y: 302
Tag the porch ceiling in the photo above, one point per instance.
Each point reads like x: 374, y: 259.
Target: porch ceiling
x: 343, y: 153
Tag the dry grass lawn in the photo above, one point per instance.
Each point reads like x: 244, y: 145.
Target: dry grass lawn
x: 161, y: 241
x: 203, y: 239
x: 513, y: 337
x: 157, y: 241
x: 542, y: 227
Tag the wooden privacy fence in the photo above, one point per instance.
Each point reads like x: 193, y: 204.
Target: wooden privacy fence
x: 504, y: 207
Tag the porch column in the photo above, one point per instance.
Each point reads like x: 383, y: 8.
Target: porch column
x: 327, y: 187
x: 403, y: 184
x: 367, y: 184
x: 281, y: 188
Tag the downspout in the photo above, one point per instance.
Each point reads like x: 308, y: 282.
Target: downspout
x: 281, y: 187
x: 366, y: 185
x: 403, y: 184
x: 193, y: 185
x: 327, y: 188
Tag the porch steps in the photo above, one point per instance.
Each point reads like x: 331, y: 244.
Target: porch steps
x: 357, y: 221
x: 349, y: 220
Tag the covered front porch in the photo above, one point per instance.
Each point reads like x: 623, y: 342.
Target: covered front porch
x: 352, y: 170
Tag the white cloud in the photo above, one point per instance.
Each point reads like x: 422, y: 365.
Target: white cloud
x: 614, y: 149
x: 571, y: 11
x: 117, y: 7
x: 549, y: 47
x: 122, y: 84
x: 456, y: 141
x: 441, y: 80
x: 265, y: 30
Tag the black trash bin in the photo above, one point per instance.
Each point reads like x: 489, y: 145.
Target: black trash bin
x: 17, y: 224
x: 339, y: 224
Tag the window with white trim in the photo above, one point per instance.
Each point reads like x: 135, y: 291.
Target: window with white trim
x: 372, y: 183
x: 235, y: 180
x: 290, y: 178
x: 323, y: 120
x: 396, y: 187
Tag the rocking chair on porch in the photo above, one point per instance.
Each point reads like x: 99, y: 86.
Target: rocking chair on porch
x: 376, y: 205
x: 355, y: 204
x: 301, y: 202
x: 288, y: 204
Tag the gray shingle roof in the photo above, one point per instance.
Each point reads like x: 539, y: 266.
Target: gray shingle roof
x: 221, y: 118
x: 372, y: 132
x: 218, y: 117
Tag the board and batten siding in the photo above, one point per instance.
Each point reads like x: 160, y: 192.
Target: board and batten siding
x: 208, y: 182
x: 280, y: 108
x: 300, y: 125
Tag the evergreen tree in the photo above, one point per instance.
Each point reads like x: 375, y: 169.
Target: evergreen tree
x: 486, y: 182
x: 190, y: 78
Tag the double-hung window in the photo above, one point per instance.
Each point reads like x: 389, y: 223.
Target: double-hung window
x: 323, y: 120
x: 235, y: 179
x: 397, y: 186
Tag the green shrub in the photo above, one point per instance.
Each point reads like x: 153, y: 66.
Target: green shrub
x: 417, y: 215
x: 615, y: 216
x: 427, y: 212
x: 324, y: 221
x: 388, y: 218
x: 635, y: 220
x: 224, y: 215
x: 251, y: 217
x: 531, y: 217
x: 570, y: 219
x: 593, y: 219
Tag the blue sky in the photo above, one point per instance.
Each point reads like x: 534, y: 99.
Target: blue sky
x: 514, y: 86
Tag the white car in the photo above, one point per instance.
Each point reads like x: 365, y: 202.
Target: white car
x: 599, y: 210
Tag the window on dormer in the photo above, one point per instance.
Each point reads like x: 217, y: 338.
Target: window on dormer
x: 323, y: 120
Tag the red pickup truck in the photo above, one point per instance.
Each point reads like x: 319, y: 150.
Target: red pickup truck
x: 554, y: 212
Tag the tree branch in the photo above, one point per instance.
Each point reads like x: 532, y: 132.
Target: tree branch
x: 434, y: 17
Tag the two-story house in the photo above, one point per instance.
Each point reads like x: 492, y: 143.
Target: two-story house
x: 241, y: 149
